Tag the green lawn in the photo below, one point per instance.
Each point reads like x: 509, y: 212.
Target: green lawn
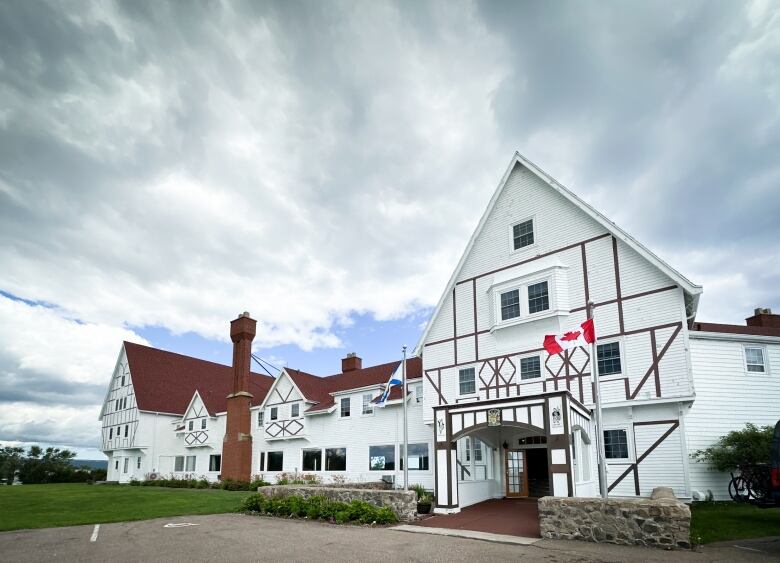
x: 43, y: 506
x: 721, y: 521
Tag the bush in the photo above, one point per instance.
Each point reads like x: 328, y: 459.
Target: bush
x: 257, y: 483
x: 233, y: 485
x: 420, y: 490
x: 319, y: 508
x: 748, y: 446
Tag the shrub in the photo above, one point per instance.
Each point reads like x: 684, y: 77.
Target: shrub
x: 420, y: 490
x: 233, y: 485
x: 135, y: 482
x: 748, y: 446
x: 319, y: 508
x: 257, y: 483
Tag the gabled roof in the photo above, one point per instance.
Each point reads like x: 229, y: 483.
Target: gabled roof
x: 166, y: 381
x: 689, y: 287
x: 320, y: 390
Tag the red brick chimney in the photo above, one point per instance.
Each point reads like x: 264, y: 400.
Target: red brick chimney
x: 351, y: 363
x: 237, y: 446
x: 764, y: 318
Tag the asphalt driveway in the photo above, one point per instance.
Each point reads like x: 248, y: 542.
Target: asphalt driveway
x: 237, y: 537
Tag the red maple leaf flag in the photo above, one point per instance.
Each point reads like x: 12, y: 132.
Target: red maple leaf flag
x: 555, y: 344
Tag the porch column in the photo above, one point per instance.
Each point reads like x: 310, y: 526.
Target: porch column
x: 446, y: 465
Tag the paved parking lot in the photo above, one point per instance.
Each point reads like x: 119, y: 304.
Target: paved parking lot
x: 236, y: 537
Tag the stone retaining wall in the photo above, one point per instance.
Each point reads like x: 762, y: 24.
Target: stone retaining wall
x: 373, y: 485
x: 403, y: 503
x: 660, y: 521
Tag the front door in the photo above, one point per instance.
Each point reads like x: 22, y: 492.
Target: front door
x: 516, y: 474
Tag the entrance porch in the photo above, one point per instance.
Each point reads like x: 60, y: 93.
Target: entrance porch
x: 506, y: 449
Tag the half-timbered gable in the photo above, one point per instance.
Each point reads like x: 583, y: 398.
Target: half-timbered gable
x: 281, y: 414
x: 119, y: 414
x: 537, y: 257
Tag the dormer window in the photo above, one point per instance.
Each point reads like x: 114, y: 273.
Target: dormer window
x: 510, y: 304
x: 202, y: 423
x: 274, y: 413
x: 523, y: 234
x: 295, y: 410
x: 192, y: 424
x: 538, y: 297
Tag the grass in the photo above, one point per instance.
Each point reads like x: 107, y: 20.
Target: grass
x: 44, y: 506
x: 721, y: 521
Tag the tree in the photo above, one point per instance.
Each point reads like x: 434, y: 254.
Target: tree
x: 11, y: 460
x: 51, y: 465
x: 751, y: 445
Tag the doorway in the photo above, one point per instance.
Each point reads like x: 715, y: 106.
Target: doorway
x: 516, y: 472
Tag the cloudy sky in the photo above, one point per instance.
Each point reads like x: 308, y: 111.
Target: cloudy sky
x: 322, y: 164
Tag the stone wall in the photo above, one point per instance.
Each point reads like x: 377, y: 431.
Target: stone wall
x: 660, y: 521
x: 403, y: 503
x: 374, y: 485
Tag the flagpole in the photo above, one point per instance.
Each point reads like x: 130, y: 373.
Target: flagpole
x: 597, y: 400
x: 406, y: 428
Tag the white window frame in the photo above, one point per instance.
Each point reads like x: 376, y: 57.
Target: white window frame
x: 296, y: 406
x: 629, y: 445
x: 764, y: 356
x: 521, y: 285
x: 430, y: 456
x: 187, y: 463
x: 534, y: 223
x: 126, y: 465
x: 190, y: 425
x: 475, y: 392
x: 321, y: 462
x: 274, y: 452
x: 520, y: 371
x: 203, y: 423
x: 325, y: 458
x: 364, y: 405
x: 176, y: 458
x: 274, y: 415
x: 138, y: 462
x: 623, y: 366
x: 341, y: 408
x: 261, y: 418
x: 211, y: 457
x: 396, y: 463
x: 418, y: 392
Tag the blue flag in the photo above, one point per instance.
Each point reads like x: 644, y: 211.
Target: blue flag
x: 395, y: 379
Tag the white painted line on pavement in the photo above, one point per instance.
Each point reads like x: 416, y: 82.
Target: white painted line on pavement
x: 95, y: 533
x: 498, y: 538
x: 179, y: 525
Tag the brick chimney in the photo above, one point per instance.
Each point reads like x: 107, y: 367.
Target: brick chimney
x: 764, y: 318
x: 237, y: 445
x: 351, y: 363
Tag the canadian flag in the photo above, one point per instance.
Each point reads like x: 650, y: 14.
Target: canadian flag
x: 555, y: 344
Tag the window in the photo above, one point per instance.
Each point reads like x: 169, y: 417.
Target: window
x: 190, y: 463
x: 123, y: 381
x: 418, y: 457
x: 138, y: 462
x: 116, y: 465
x: 275, y: 461
x: 124, y: 402
x: 615, y: 444
x: 202, y: 423
x: 274, y: 413
x: 418, y: 393
x: 609, y: 358
x: 368, y: 407
x: 336, y: 459
x: 215, y: 462
x: 468, y: 449
x: 126, y: 465
x: 312, y: 460
x: 510, y: 304
x: 345, y: 403
x: 178, y: 463
x: 110, y: 433
x: 754, y: 360
x: 523, y: 234
x: 116, y: 405
x: 466, y: 381
x: 477, y: 449
x: 126, y: 428
x: 295, y: 410
x: 381, y: 458
x: 530, y: 368
x: 192, y: 424
x: 262, y: 461
x: 260, y: 417
x: 538, y: 297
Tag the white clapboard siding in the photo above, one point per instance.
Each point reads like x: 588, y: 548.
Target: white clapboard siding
x: 727, y: 397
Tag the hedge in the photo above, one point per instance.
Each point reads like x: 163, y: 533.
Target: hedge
x: 226, y: 484
x: 319, y: 508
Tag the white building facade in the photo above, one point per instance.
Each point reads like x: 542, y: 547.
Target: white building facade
x: 491, y: 414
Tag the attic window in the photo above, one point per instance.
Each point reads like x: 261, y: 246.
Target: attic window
x: 523, y: 234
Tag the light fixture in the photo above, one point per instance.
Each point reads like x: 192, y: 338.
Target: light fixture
x: 506, y: 446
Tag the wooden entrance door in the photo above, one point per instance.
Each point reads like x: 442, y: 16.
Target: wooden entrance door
x: 516, y: 474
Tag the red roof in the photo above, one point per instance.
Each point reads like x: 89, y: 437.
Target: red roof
x: 165, y: 381
x: 319, y: 389
x: 736, y: 329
